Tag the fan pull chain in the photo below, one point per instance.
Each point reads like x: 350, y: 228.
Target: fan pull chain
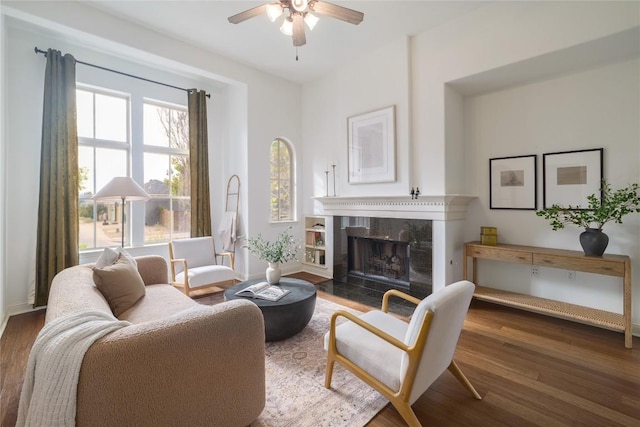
x: 296, y: 53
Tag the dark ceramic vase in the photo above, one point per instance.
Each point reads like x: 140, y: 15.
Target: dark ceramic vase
x: 593, y: 241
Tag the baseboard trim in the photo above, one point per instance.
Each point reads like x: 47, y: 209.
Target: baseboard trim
x: 15, y: 310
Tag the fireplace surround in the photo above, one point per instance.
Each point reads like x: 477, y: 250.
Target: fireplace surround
x: 384, y: 253
x: 446, y: 213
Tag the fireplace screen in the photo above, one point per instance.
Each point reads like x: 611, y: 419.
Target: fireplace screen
x: 380, y: 260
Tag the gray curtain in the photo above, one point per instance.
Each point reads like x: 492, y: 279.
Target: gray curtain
x: 199, y: 164
x: 57, y: 235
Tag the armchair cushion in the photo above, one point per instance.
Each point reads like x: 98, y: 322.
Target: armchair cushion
x: 205, y: 275
x: 198, y: 251
x: 120, y: 283
x: 370, y: 352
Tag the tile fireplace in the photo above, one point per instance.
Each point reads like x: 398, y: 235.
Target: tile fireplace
x: 384, y: 253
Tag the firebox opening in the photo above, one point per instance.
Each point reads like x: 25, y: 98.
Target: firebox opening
x: 380, y: 260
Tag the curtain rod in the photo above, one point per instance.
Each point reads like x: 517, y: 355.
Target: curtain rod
x: 44, y: 52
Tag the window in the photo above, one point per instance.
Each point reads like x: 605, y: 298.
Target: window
x: 106, y: 151
x: 103, y: 153
x: 281, y: 181
x: 166, y: 172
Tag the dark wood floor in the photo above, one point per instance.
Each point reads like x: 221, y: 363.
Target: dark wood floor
x: 531, y: 370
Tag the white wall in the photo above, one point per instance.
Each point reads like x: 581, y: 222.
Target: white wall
x: 489, y: 38
x: 248, y: 109
x: 366, y: 84
x: 3, y: 168
x: 589, y: 109
x: 445, y: 154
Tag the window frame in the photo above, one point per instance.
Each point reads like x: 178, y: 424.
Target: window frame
x: 135, y: 150
x: 292, y: 214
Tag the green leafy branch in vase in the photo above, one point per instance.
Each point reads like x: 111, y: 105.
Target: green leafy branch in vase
x: 612, y: 206
x: 283, y: 249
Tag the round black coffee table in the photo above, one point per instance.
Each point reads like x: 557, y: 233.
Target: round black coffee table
x: 287, y: 316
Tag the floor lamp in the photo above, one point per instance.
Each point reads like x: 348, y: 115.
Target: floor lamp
x: 121, y: 188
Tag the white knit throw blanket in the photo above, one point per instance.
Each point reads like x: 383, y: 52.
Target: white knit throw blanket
x: 50, y: 385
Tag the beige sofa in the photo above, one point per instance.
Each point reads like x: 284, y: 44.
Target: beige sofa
x: 179, y: 363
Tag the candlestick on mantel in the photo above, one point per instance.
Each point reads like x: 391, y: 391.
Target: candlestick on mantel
x: 334, y: 179
x: 326, y: 174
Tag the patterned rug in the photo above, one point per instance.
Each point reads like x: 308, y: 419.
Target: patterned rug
x: 295, y: 370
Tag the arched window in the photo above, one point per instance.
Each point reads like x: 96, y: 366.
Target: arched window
x: 281, y: 181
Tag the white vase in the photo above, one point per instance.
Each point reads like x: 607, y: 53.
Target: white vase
x: 273, y: 273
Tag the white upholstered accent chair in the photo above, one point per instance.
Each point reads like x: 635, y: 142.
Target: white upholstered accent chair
x: 194, y: 265
x: 399, y: 359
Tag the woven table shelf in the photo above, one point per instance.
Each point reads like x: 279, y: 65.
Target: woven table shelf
x: 553, y: 308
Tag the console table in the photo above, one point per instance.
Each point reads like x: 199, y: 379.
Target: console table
x: 610, y: 265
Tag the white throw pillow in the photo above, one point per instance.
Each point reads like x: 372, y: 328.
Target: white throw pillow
x: 110, y: 256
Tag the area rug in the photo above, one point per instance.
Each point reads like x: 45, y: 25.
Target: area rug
x: 296, y: 395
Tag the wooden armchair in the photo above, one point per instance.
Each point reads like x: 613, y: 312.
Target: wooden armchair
x: 401, y: 360
x: 194, y: 265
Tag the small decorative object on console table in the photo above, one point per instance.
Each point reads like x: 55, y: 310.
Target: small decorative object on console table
x: 282, y: 250
x: 611, y: 206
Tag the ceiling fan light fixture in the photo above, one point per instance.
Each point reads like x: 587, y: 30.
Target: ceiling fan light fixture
x: 274, y: 10
x: 299, y: 5
x: 311, y: 20
x: 287, y: 26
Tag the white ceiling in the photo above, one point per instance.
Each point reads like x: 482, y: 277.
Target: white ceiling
x: 259, y: 43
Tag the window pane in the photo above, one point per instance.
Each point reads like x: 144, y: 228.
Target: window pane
x: 179, y: 129
x: 109, y: 164
x: 111, y: 118
x: 155, y: 132
x: 285, y: 200
x: 156, y: 173
x: 180, y: 176
x: 181, y: 219
x: 84, y: 105
x: 87, y: 228
x: 85, y: 172
x: 280, y: 175
x: 157, y: 220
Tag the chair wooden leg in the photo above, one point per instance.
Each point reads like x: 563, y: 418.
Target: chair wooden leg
x: 455, y: 370
x: 407, y: 414
x: 329, y: 372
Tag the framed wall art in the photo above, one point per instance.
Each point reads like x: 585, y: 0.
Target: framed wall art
x: 512, y: 182
x: 570, y: 176
x: 372, y: 147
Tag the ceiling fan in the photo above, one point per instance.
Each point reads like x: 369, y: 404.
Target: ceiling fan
x: 300, y: 12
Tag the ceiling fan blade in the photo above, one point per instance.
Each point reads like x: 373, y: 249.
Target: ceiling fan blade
x: 339, y: 12
x: 247, y: 14
x: 299, y: 38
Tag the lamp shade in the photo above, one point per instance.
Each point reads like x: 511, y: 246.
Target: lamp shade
x: 121, y: 187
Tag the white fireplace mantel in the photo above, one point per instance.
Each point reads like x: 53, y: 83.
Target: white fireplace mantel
x: 441, y: 208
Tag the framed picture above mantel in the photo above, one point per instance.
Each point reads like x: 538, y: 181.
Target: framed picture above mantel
x: 372, y: 147
x: 513, y: 182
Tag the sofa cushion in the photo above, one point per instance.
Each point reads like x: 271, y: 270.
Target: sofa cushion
x: 120, y: 284
x: 160, y: 301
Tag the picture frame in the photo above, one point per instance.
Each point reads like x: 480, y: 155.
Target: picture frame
x: 570, y: 176
x: 513, y: 182
x: 372, y: 147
